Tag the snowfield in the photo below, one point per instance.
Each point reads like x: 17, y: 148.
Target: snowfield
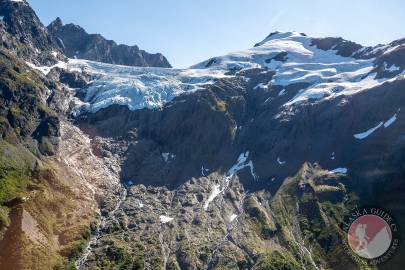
x: 327, y: 74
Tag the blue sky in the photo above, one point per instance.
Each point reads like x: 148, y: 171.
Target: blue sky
x: 189, y: 31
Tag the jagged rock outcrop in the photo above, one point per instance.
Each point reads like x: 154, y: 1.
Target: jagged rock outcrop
x: 75, y: 42
x: 23, y: 34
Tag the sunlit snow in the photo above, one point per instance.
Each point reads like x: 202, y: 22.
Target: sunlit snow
x: 280, y: 162
x: 365, y: 134
x: 261, y: 85
x: 326, y: 73
x: 390, y: 121
x: 165, y: 219
x: 386, y: 124
x: 45, y: 69
x: 338, y: 170
x: 137, y: 87
x: 392, y: 68
x: 232, y: 217
x: 240, y: 164
x: 214, y: 193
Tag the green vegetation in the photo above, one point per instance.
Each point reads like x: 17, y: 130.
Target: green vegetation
x: 116, y: 254
x: 275, y: 260
x: 14, y: 176
x: 4, y: 221
x: 262, y: 225
x: 220, y: 106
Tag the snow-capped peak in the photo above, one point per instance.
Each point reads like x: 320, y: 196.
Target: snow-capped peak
x: 280, y: 35
x: 294, y: 58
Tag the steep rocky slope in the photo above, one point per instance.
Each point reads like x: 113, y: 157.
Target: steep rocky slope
x: 253, y: 160
x: 75, y: 42
x: 245, y: 161
x: 23, y: 34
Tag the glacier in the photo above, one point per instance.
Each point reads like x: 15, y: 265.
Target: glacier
x: 137, y: 87
x: 291, y: 55
x: 327, y: 74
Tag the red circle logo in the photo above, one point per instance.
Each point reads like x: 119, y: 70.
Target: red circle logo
x: 369, y: 236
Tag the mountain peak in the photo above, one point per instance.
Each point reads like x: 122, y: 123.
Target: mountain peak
x: 75, y: 42
x: 23, y: 33
x: 280, y: 35
x: 56, y: 24
x: 17, y: 1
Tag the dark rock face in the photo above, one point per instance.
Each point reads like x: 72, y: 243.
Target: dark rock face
x: 77, y: 80
x: 210, y: 128
x: 47, y: 134
x: 343, y: 47
x: 75, y: 42
x: 390, y: 63
x: 23, y: 111
x: 22, y: 33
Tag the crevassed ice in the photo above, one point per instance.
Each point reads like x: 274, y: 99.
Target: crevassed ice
x: 137, y: 87
x: 325, y: 74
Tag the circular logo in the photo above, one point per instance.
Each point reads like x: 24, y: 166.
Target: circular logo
x: 372, y: 234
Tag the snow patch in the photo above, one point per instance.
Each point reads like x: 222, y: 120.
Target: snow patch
x: 232, y: 217
x: 363, y: 135
x: 280, y: 162
x: 168, y: 157
x: 338, y: 170
x: 261, y: 85
x: 241, y: 164
x: 204, y: 170
x: 45, y: 69
x: 216, y: 190
x: 390, y: 121
x: 282, y: 92
x: 165, y: 156
x: 165, y: 219
x: 392, y: 68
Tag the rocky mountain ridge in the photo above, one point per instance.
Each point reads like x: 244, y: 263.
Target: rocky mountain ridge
x: 245, y: 161
x: 75, y: 42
